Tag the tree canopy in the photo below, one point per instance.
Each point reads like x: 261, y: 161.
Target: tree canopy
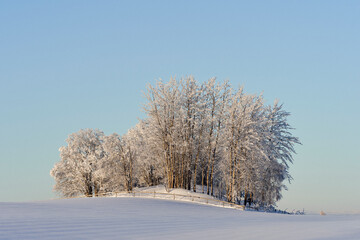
x: 207, y: 134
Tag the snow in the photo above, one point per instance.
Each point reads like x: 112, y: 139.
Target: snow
x: 160, y: 192
x: 176, y: 191
x: 146, y: 218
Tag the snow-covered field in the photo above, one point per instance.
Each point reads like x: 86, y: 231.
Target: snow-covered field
x: 145, y: 218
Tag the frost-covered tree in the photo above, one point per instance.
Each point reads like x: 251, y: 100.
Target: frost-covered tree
x: 194, y: 133
x: 216, y: 99
x: 118, y: 166
x: 204, y: 134
x: 149, y: 166
x: 163, y: 111
x: 240, y: 138
x: 80, y: 170
x: 278, y: 144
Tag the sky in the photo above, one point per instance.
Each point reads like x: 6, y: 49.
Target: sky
x: 70, y: 65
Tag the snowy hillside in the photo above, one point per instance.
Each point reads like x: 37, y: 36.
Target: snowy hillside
x: 145, y: 218
x: 178, y: 194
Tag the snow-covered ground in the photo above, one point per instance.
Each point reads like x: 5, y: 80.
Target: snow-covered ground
x: 177, y: 194
x: 145, y: 218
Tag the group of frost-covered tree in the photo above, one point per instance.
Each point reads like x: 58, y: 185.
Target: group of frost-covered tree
x: 208, y: 137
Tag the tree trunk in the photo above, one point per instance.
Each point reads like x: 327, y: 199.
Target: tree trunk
x: 202, y: 180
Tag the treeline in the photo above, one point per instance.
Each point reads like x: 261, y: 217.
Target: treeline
x: 209, y: 134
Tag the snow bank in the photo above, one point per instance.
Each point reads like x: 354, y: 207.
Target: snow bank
x: 177, y: 194
x: 145, y: 218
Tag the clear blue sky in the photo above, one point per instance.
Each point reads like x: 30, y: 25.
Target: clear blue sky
x: 67, y: 65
